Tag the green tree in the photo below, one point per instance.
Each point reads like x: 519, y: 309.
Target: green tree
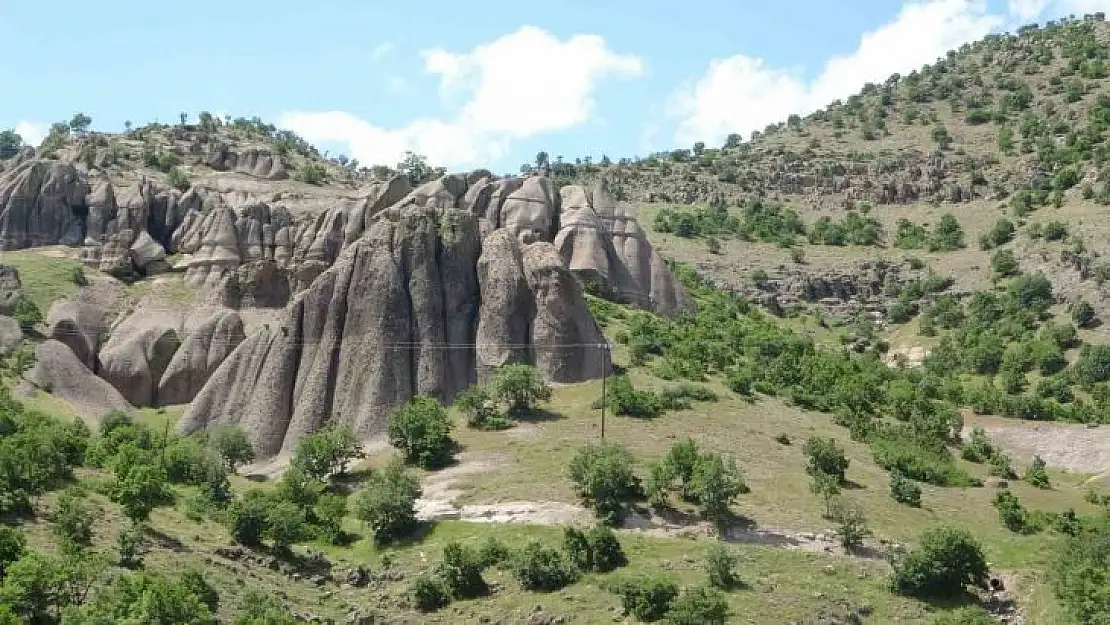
x: 259, y: 607
x: 232, y: 444
x: 1037, y: 475
x: 80, y: 122
x: 138, y: 489
x: 421, y: 430
x: 520, y: 387
x: 1004, y: 264
x: 851, y: 525
x: 604, y: 479
x: 147, y: 598
x: 715, y: 485
x: 1083, y: 313
x: 646, y: 597
x: 73, y: 519
x: 699, y: 605
x: 10, y: 144
x: 823, y: 455
x: 720, y: 565
x: 327, y: 451
x: 246, y: 518
x: 12, y: 547
x: 285, y: 524
x: 130, y: 544
x: 543, y: 569
x: 27, y: 313
x: 827, y: 487
x: 387, y: 503
x: 945, y: 563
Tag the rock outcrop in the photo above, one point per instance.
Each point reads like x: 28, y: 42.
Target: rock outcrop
x: 58, y: 371
x: 137, y: 355
x: 41, y: 203
x: 398, y: 315
x: 77, y: 325
x: 11, y: 289
x: 200, y: 354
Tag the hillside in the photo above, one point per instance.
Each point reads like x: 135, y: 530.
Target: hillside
x: 850, y: 370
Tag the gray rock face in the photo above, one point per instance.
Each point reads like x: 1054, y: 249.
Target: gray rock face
x: 38, y: 199
x: 199, y: 355
x: 58, y: 371
x: 398, y: 315
x: 11, y: 289
x: 78, y: 326
x: 136, y: 356
x: 11, y: 335
x: 257, y: 163
x: 257, y: 284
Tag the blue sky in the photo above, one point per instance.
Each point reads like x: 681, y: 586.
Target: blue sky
x: 471, y: 86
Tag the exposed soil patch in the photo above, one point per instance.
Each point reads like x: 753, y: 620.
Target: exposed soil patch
x: 1064, y: 446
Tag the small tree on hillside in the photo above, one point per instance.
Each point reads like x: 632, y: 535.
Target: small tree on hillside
x: 421, y: 430
x: 387, y: 503
x: 520, y: 387
x: 327, y: 451
x: 232, y: 444
x: 825, y: 456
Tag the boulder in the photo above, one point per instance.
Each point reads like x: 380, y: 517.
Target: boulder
x: 136, y: 356
x: 58, y: 371
x: 11, y: 335
x: 145, y: 251
x: 77, y: 325
x: 257, y: 284
x: 11, y: 289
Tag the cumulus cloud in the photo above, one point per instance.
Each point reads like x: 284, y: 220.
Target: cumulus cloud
x: 742, y: 93
x: 499, y: 94
x: 32, y: 132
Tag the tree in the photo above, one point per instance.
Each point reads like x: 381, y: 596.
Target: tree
x: 646, y: 597
x: 715, y: 485
x: 259, y: 607
x: 542, y: 160
x: 327, y: 451
x: 1037, y: 475
x: 946, y: 562
x: 825, y: 456
x: 720, y: 565
x: 851, y: 526
x: 138, y: 489
x: 542, y: 569
x: 416, y: 167
x: 604, y: 480
x: 1083, y: 313
x: 285, y: 524
x: 904, y: 490
x: 387, y: 503
x: 27, y: 313
x: 232, y: 444
x: 1004, y: 264
x: 461, y: 570
x: 146, y: 598
x: 827, y: 487
x: 519, y: 386
x: 421, y: 430
x: 12, y: 545
x: 476, y: 403
x: 80, y: 122
x: 130, y: 543
x: 73, y: 519
x: 246, y: 518
x: 10, y: 144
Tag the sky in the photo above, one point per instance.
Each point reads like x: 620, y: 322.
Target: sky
x: 476, y: 87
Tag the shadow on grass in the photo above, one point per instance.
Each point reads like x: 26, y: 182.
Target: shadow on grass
x: 257, y: 478
x: 850, y: 485
x: 419, y: 533
x: 536, y: 415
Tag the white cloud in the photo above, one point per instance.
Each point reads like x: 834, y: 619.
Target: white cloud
x: 741, y: 93
x: 501, y: 96
x: 1028, y: 10
x: 381, y: 50
x: 32, y: 132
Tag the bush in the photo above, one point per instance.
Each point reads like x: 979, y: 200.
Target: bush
x: 851, y: 526
x: 604, y: 480
x: 1010, y: 511
x: 698, y: 606
x: 966, y: 616
x: 310, y: 173
x: 232, y: 444
x: 904, y: 490
x: 597, y: 550
x: 481, y: 414
x: 715, y: 484
x: 129, y: 545
x: 246, y: 518
x: 720, y: 565
x: 824, y: 456
x: 387, y: 503
x: 285, y: 524
x: 520, y: 387
x: 327, y: 451
x: 1037, y: 475
x: 461, y: 571
x: 946, y: 562
x: 260, y: 608
x: 73, y: 519
x: 543, y: 569
x: 626, y: 401
x: 978, y: 447
x: 421, y: 429
x: 646, y: 597
x: 178, y: 179
x: 1080, y: 571
x: 26, y: 313
x: 1083, y: 313
x: 1004, y: 264
x: 1001, y: 467
x: 12, y: 546
x: 493, y: 552
x: 429, y: 592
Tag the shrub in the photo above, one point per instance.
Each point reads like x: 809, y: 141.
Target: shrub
x: 543, y: 569
x: 129, y: 545
x: 605, y: 549
x: 1083, y: 313
x: 646, y: 597
x: 258, y: 607
x: 481, y: 414
x: 310, y: 173
x: 1001, y: 467
x: 520, y: 387
x: 232, y: 444
x: 73, y: 519
x: 698, y: 606
x: 421, y: 429
x: 947, y: 235
x: 715, y: 484
x: 26, y: 313
x: 327, y: 451
x: 429, y: 592
x: 178, y: 179
x: 1010, y: 511
x: 1037, y: 475
x: 904, y: 490
x: 1080, y: 571
x: 1004, y: 264
x: 851, y: 526
x: 946, y: 562
x: 493, y: 552
x: 966, y: 616
x: 604, y: 480
x: 387, y: 503
x: 285, y: 524
x: 246, y: 518
x: 461, y: 571
x: 12, y: 545
x: 625, y: 400
x: 720, y: 565
x: 824, y: 456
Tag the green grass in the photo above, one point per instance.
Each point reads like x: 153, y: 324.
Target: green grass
x: 45, y: 278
